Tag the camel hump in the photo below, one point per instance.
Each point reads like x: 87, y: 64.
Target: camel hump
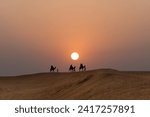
x: 81, y: 65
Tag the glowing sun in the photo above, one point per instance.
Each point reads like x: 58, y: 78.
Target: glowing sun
x: 75, y: 56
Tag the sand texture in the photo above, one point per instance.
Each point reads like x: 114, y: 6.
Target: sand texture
x: 96, y: 84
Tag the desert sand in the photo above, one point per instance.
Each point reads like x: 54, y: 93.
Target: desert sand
x: 92, y: 85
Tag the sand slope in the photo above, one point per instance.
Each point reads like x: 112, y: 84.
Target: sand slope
x: 96, y: 84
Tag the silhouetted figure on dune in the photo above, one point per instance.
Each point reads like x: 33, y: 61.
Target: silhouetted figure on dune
x: 52, y: 69
x: 82, y: 67
x: 72, y: 68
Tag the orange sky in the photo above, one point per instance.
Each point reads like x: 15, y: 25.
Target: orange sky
x: 106, y: 33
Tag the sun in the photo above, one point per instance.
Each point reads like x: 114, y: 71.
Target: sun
x: 74, y: 56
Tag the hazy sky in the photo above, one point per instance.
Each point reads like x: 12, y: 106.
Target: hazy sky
x: 106, y: 33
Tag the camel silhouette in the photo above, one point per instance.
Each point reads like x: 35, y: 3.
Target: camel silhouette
x: 82, y: 67
x: 52, y: 69
x: 72, y: 68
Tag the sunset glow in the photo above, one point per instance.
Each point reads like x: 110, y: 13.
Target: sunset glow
x: 75, y: 56
x: 106, y: 33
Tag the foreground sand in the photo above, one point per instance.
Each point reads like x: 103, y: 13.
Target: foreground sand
x: 97, y: 84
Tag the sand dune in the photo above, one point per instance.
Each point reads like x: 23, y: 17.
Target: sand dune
x: 96, y: 84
